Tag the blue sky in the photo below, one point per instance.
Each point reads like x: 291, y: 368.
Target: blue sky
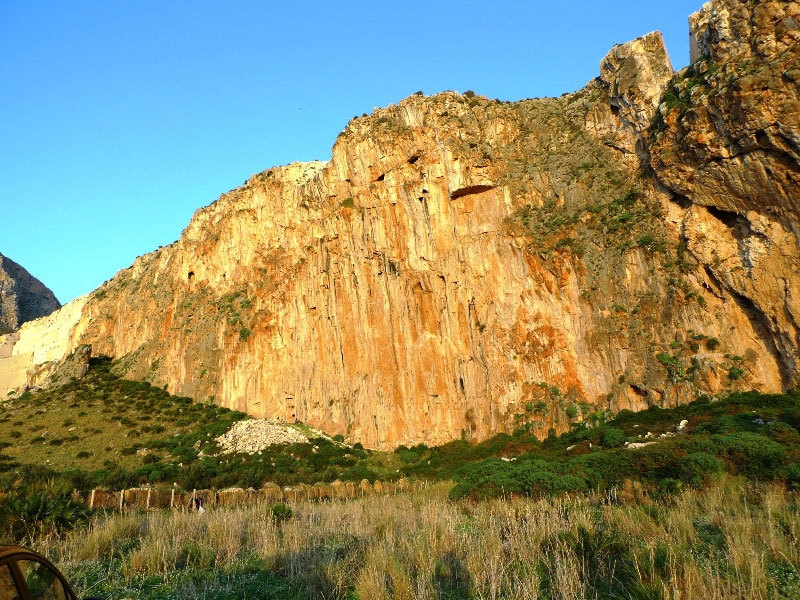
x: 119, y: 119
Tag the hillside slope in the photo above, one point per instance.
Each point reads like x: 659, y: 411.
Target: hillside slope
x: 463, y: 266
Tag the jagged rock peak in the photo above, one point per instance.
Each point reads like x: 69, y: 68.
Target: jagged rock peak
x: 637, y: 74
x: 22, y: 296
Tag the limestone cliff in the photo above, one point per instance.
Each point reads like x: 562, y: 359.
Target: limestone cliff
x: 726, y: 142
x: 22, y: 296
x: 463, y: 266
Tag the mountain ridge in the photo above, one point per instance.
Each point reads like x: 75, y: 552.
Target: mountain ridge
x: 463, y: 266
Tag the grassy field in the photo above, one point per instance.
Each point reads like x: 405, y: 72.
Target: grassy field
x: 101, y: 421
x: 733, y: 539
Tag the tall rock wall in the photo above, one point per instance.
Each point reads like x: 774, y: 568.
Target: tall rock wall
x: 463, y: 266
x: 37, y: 350
x: 726, y: 143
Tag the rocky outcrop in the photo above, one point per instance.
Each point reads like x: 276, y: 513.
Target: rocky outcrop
x: 22, y: 296
x: 637, y: 74
x: 727, y: 145
x: 463, y: 266
x: 59, y: 372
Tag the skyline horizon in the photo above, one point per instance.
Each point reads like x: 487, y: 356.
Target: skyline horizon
x: 129, y: 187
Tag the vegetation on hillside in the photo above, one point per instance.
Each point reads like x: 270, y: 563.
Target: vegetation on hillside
x: 750, y: 434
x: 103, y: 431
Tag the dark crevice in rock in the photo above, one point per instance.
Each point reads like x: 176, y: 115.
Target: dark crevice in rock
x: 740, y: 230
x: 638, y: 390
x: 681, y: 201
x: 617, y: 148
x: 471, y: 189
x: 729, y: 218
x: 719, y: 292
x: 761, y: 324
x: 785, y: 159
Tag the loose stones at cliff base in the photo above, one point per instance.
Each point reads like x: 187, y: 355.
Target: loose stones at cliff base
x: 254, y: 435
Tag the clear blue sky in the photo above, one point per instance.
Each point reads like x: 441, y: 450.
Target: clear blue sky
x: 118, y: 119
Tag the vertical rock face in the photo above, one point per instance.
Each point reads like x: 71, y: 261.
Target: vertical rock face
x: 726, y: 142
x: 463, y: 266
x: 636, y: 74
x: 22, y: 296
x: 38, y: 349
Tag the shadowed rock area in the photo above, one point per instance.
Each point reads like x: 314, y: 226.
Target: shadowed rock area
x: 22, y: 296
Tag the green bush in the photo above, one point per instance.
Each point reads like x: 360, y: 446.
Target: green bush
x: 489, y: 479
x: 697, y: 467
x: 605, y: 469
x: 409, y: 457
x: 197, y: 476
x: 752, y: 454
x: 281, y: 513
x: 31, y: 513
x: 735, y: 373
x: 793, y: 475
x: 782, y: 433
x: 358, y: 472
x: 613, y: 438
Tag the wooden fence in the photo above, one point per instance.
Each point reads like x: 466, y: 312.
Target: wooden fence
x: 156, y: 498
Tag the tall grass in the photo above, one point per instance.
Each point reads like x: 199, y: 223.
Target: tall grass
x: 732, y: 540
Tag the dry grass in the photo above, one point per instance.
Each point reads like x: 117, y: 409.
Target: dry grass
x: 733, y: 540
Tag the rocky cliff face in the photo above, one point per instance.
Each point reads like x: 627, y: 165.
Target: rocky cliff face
x: 22, y: 296
x: 463, y: 266
x: 726, y: 142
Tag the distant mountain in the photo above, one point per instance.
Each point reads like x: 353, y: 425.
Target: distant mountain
x: 22, y: 296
